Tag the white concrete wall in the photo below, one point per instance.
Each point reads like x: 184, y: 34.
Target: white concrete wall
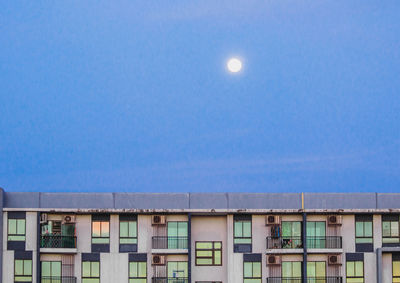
x: 387, y: 268
x: 8, y: 266
x: 209, y: 229
x: 31, y: 226
x: 84, y: 233
x: 114, y: 267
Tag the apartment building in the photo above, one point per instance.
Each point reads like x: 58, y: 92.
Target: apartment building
x: 199, y: 238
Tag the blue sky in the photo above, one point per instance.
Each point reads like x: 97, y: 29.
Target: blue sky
x: 134, y: 96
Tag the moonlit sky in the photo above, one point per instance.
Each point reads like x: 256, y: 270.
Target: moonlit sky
x: 135, y: 96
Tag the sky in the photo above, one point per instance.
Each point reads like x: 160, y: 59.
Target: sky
x: 134, y: 96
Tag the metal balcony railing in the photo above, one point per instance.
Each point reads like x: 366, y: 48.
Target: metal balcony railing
x: 58, y: 279
x: 57, y: 242
x: 165, y: 242
x: 170, y: 280
x: 284, y: 243
x: 327, y: 242
x: 329, y: 279
x: 284, y: 280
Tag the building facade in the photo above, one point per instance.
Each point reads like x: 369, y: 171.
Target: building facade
x: 199, y: 238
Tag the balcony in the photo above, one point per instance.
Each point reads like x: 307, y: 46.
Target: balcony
x: 170, y: 280
x: 165, y: 242
x: 58, y: 279
x: 58, y: 244
x: 284, y: 280
x: 330, y: 279
x: 284, y: 243
x: 327, y: 242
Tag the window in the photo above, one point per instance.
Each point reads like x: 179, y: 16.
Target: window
x: 242, y: 232
x: 396, y: 271
x: 128, y: 232
x: 16, y: 230
x: 390, y: 231
x: 208, y: 253
x: 177, y: 235
x: 23, y: 270
x: 355, y: 271
x: 177, y: 269
x: 138, y: 272
x: 51, y: 271
x: 291, y: 234
x: 316, y: 271
x: 100, y: 232
x: 364, y: 232
x: 252, y: 272
x: 90, y: 272
x: 291, y: 269
x: 316, y: 235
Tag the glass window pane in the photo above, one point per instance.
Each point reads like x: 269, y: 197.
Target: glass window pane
x: 12, y: 226
x: 310, y: 229
x: 359, y: 268
x: 359, y: 229
x: 132, y: 269
x: 256, y: 269
x: 96, y: 229
x: 395, y: 229
x: 296, y: 229
x: 204, y: 261
x: 182, y: 229
x: 320, y: 269
x: 217, y: 257
x: 368, y: 229
x: 142, y: 269
x: 238, y: 229
x: 56, y: 268
x: 350, y: 268
x: 396, y: 268
x: 95, y: 266
x: 218, y: 245
x: 132, y: 229
x: 386, y: 229
x: 86, y: 269
x: 311, y: 272
x: 105, y: 229
x: 21, y: 226
x: 123, y: 229
x: 27, y: 267
x: 286, y: 269
x: 172, y: 229
x: 204, y: 245
x: 45, y: 268
x: 19, y: 267
x: 320, y: 229
x: 296, y: 268
x: 248, y: 269
x: 247, y: 229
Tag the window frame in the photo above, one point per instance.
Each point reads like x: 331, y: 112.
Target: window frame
x: 397, y: 277
x: 359, y: 278
x: 212, y: 250
x: 91, y: 277
x: 235, y: 222
x: 101, y: 237
x: 23, y: 270
x: 391, y: 237
x: 252, y: 271
x: 136, y: 277
x: 134, y: 238
x: 364, y: 237
x: 16, y: 229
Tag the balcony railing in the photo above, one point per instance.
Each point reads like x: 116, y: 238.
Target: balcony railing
x: 58, y: 279
x: 57, y: 242
x: 165, y: 242
x: 328, y: 242
x: 284, y: 243
x: 284, y: 280
x: 169, y: 280
x: 329, y: 279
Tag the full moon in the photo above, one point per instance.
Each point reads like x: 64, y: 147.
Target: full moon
x: 234, y: 65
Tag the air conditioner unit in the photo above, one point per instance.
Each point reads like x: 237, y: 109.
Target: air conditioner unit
x: 43, y: 218
x: 272, y: 220
x: 334, y: 220
x: 158, y: 260
x: 158, y: 220
x: 273, y: 260
x: 68, y: 219
x: 334, y: 260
